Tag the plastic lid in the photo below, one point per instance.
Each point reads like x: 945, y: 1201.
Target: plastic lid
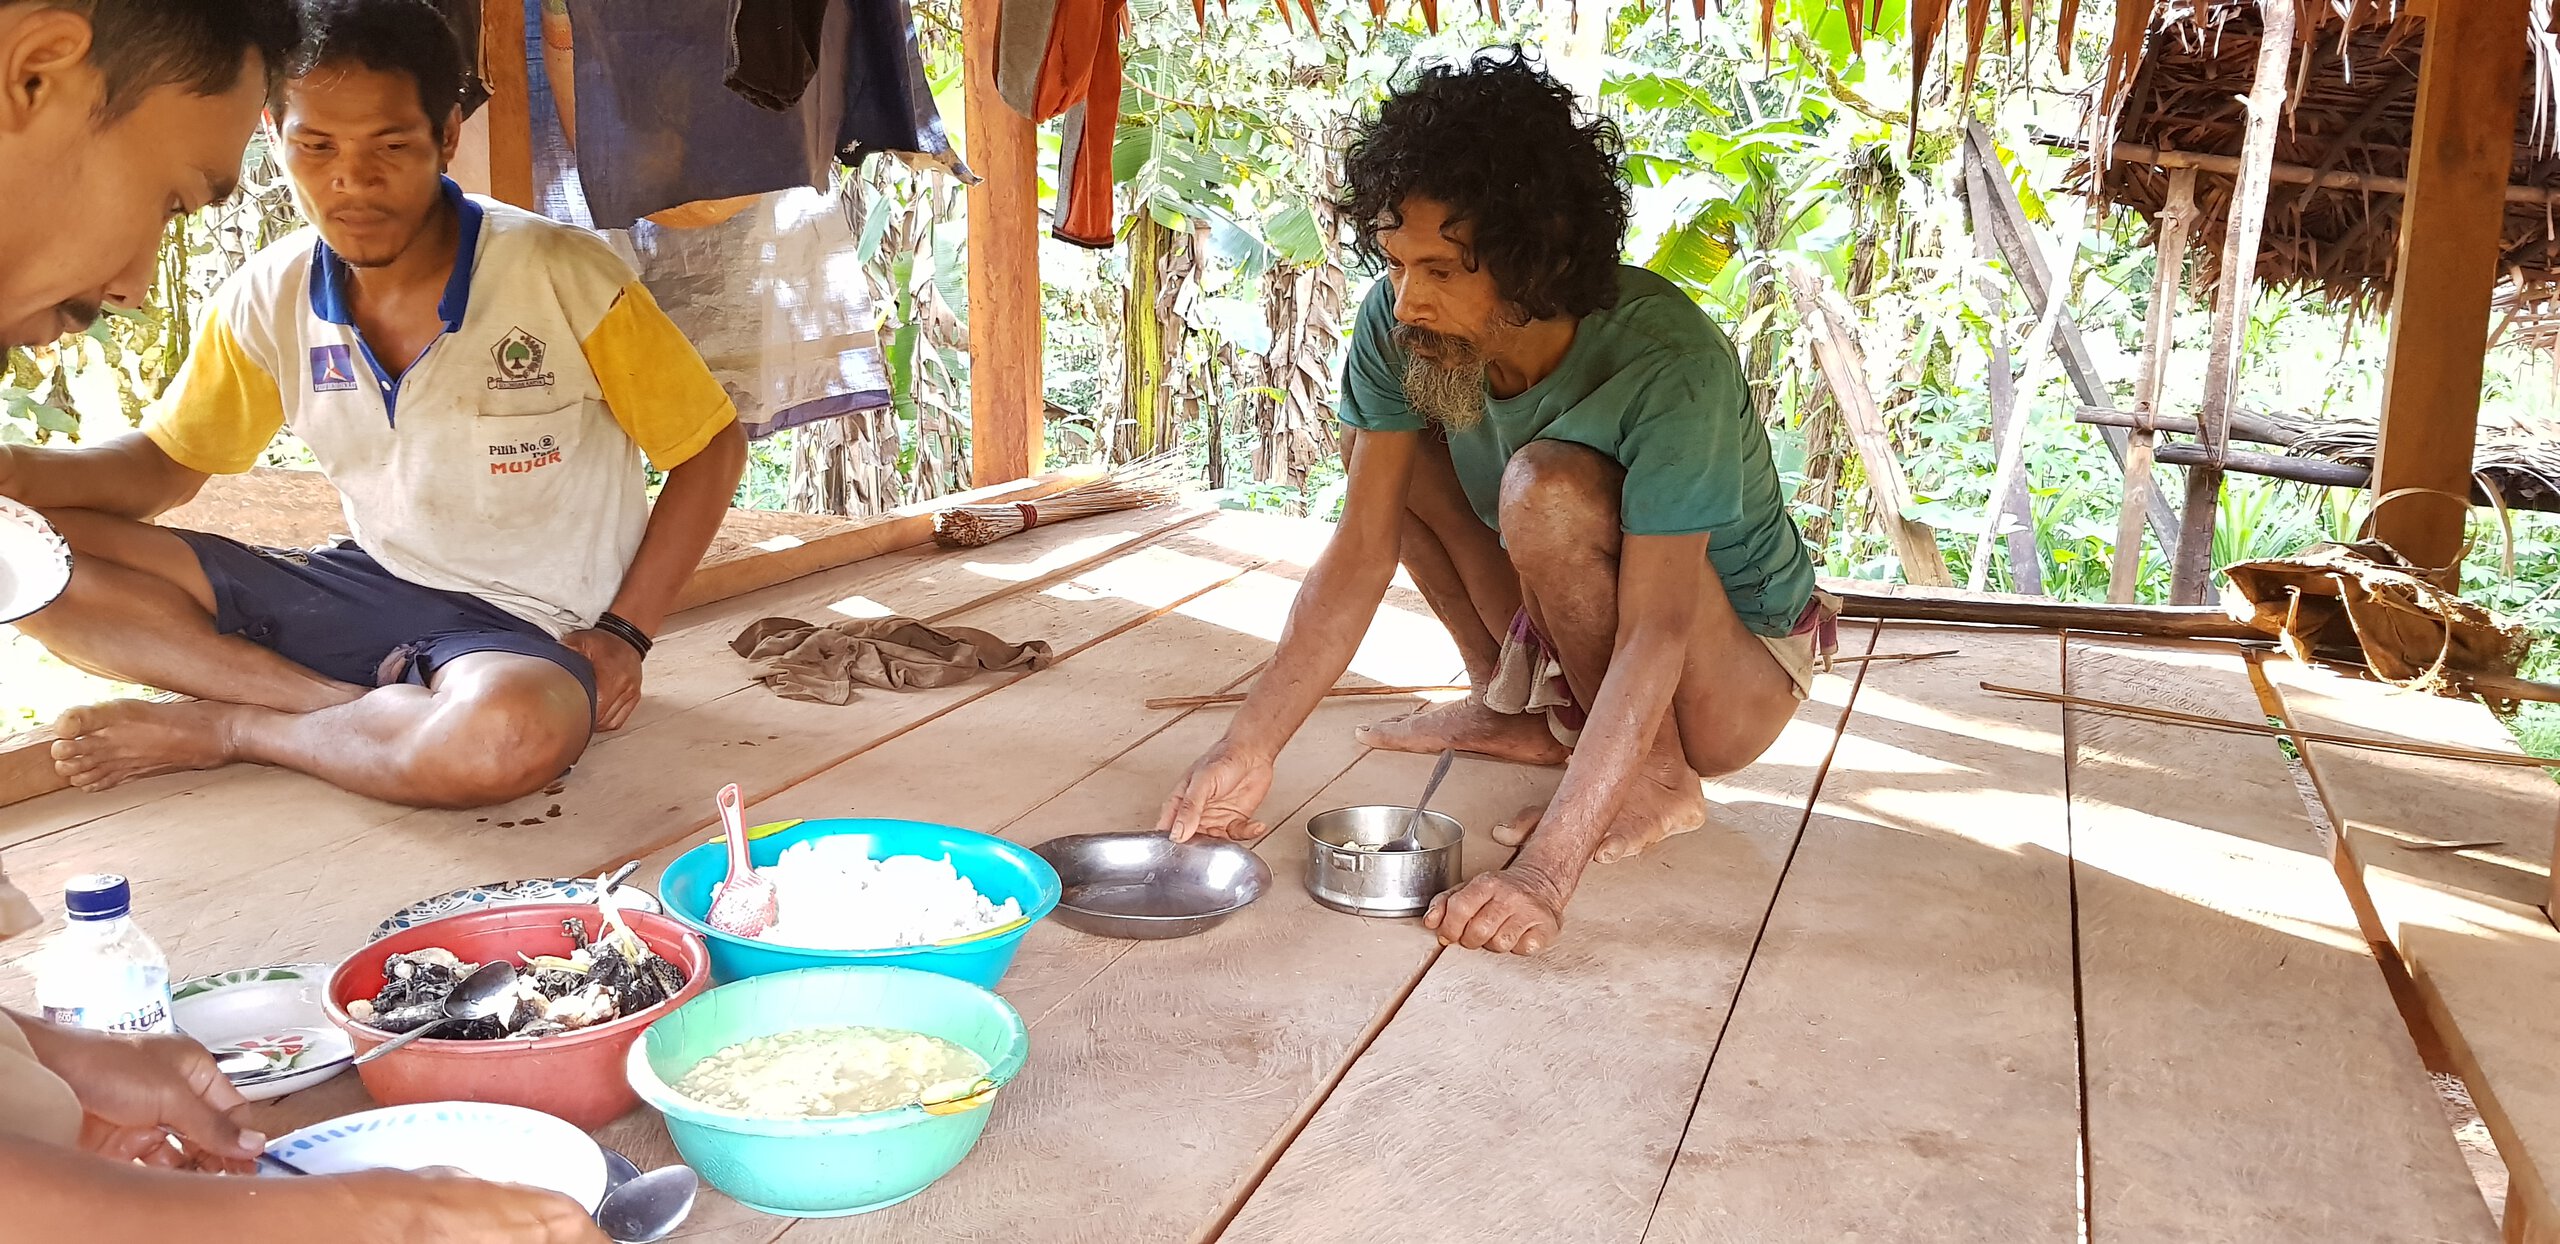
x: 97, y: 896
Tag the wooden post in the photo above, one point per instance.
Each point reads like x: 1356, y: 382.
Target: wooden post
x: 510, y: 107
x: 2159, y: 333
x: 1837, y: 353
x: 2026, y: 263
x: 1004, y: 264
x: 2470, y: 74
x: 2009, y: 462
x: 2265, y: 103
x: 2026, y: 564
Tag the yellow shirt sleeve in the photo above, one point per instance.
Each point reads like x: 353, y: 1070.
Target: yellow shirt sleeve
x: 222, y: 410
x: 654, y: 381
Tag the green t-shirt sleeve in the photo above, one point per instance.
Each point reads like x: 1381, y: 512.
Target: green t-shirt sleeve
x: 1373, y: 372
x: 1691, y: 453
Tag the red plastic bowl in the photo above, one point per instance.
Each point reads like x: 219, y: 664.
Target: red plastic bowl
x: 577, y: 1076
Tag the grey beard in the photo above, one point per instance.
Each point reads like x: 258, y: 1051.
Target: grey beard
x: 1451, y: 395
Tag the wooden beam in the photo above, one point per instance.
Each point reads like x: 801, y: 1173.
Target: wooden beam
x: 2159, y: 335
x: 722, y: 576
x: 1004, y: 264
x: 2026, y: 263
x: 2321, y: 471
x: 2246, y: 425
x: 1837, y: 354
x: 2310, y: 178
x: 2248, y: 214
x: 2470, y: 73
x: 510, y: 107
x: 1907, y: 604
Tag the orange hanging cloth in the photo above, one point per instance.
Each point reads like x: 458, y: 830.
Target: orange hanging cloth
x: 1062, y: 58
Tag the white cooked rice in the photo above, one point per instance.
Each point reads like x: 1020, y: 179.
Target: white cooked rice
x: 834, y: 896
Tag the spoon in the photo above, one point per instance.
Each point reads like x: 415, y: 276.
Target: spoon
x: 646, y: 1209
x: 619, y: 876
x: 1409, y: 840
x: 482, y: 994
x: 746, y: 903
x: 618, y: 1170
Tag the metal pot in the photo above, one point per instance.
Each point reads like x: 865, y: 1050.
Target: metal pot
x: 1380, y: 883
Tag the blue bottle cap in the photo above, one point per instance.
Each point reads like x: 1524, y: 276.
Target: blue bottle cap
x: 97, y: 896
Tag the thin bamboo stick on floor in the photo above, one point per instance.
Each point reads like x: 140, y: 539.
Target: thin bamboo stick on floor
x: 2198, y: 720
x: 1237, y: 697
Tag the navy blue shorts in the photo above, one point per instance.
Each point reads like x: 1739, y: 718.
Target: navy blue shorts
x: 337, y: 612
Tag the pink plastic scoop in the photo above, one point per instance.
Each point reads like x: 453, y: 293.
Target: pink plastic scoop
x: 746, y: 903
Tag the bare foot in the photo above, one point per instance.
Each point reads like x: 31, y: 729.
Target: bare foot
x: 1665, y: 800
x: 1469, y: 726
x: 106, y: 745
x: 1512, y: 911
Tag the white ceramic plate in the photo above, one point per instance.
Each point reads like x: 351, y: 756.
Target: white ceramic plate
x: 507, y: 1144
x: 504, y: 893
x: 275, y: 1012
x: 35, y: 563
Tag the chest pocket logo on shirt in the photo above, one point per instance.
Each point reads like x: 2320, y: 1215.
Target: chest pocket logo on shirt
x: 527, y: 466
x: 518, y: 357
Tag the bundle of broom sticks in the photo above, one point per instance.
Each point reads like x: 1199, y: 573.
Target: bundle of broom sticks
x: 1148, y: 481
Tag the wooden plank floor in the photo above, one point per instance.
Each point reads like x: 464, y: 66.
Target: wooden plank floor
x: 1943, y: 966
x: 2467, y: 920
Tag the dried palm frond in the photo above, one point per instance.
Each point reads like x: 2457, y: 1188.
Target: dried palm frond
x: 1149, y: 481
x: 2176, y: 82
x: 2517, y: 455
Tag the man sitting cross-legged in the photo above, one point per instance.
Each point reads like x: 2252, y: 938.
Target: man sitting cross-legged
x: 1563, y: 453
x: 480, y: 384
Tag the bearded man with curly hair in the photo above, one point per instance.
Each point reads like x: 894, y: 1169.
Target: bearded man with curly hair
x: 1562, y: 451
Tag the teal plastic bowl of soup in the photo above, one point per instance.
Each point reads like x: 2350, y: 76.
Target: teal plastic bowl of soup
x: 845, y: 1164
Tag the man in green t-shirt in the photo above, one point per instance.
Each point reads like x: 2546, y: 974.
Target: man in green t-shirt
x: 1562, y: 451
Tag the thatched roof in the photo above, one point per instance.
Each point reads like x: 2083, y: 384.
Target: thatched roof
x: 2350, y: 107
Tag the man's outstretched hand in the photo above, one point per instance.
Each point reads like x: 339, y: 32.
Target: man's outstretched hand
x: 137, y: 1089
x: 617, y: 674
x: 1218, y: 797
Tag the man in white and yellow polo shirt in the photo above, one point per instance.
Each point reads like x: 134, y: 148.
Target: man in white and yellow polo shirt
x: 480, y: 384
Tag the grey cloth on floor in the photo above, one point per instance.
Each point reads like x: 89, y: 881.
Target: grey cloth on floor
x: 806, y: 661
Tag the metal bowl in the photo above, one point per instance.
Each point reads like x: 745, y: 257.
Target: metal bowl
x: 1344, y: 876
x: 1147, y: 886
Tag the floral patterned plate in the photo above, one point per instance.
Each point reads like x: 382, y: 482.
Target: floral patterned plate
x: 266, y: 1026
x: 507, y: 893
x: 35, y: 563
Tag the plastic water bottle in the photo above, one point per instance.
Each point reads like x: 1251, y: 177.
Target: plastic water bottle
x: 102, y: 971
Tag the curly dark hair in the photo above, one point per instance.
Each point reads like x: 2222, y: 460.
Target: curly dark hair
x: 1503, y: 145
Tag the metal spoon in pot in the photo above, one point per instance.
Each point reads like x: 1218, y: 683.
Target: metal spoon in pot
x: 1411, y: 839
x: 648, y: 1208
x: 482, y: 994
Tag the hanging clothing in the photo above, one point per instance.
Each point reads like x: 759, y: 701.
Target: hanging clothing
x: 654, y: 122
x: 1062, y: 58
x: 773, y: 50
x: 775, y: 299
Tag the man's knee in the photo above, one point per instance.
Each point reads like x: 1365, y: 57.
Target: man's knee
x: 1557, y: 491
x: 500, y: 743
